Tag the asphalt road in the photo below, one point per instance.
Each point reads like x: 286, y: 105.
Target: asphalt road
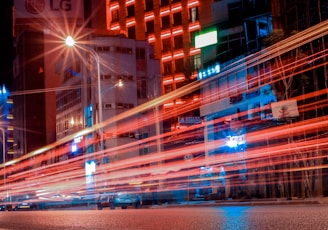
x: 299, y: 217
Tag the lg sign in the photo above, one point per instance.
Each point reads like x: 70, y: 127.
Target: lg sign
x: 65, y: 5
x: 42, y: 9
x: 38, y: 6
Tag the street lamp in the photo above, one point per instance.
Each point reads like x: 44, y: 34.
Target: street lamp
x: 69, y: 41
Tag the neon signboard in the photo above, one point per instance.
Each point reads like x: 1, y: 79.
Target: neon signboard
x: 210, y: 71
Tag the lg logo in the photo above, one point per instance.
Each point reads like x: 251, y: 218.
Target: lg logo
x: 38, y: 6
x: 64, y: 5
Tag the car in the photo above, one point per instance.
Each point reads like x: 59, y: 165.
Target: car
x: 6, y: 207
x: 121, y: 199
x: 26, y: 205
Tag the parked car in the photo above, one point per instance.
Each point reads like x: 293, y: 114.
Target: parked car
x: 26, y: 205
x: 121, y: 199
x: 6, y: 207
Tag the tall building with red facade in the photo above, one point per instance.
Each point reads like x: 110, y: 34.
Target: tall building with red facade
x: 170, y: 26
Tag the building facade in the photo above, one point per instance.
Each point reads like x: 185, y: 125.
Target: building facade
x: 242, y: 99
x: 169, y: 26
x: 128, y: 78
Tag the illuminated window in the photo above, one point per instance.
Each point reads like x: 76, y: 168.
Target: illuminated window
x: 193, y: 14
x: 197, y: 62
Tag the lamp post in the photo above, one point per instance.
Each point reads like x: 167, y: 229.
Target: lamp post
x: 69, y: 41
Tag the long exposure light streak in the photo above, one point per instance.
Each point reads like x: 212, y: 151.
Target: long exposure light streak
x: 295, y: 144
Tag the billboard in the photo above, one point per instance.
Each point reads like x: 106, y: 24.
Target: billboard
x: 185, y: 120
x: 283, y: 109
x: 27, y: 11
x: 206, y: 39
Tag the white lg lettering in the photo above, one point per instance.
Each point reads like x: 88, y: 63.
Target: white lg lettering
x: 64, y: 5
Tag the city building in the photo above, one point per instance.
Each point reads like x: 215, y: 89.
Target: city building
x: 6, y: 128
x: 38, y: 30
x: 170, y: 27
x: 241, y: 97
x: 128, y: 78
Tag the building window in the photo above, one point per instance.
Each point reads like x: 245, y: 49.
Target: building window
x: 142, y: 91
x: 130, y: 11
x: 234, y: 11
x: 166, y: 45
x: 193, y: 14
x: 132, y: 32
x: 125, y: 77
x: 180, y: 84
x: 165, y: 2
x: 141, y: 59
x: 252, y: 81
x: 125, y: 50
x: 149, y: 5
x: 197, y: 62
x: 106, y: 77
x: 102, y: 48
x: 107, y: 106
x: 124, y: 105
x: 177, y: 19
x: 179, y: 66
x: 166, y: 22
x: 178, y: 44
x: 168, y: 88
x: 150, y: 27
x: 115, y: 16
x: 167, y: 67
x: 140, y: 53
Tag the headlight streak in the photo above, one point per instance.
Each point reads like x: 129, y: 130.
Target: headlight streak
x: 68, y: 175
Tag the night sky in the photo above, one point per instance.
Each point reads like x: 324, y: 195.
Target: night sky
x: 6, y: 42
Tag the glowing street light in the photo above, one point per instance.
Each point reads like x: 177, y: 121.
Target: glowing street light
x: 70, y: 42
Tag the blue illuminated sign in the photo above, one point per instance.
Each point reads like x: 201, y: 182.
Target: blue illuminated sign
x: 90, y: 168
x: 210, y: 71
